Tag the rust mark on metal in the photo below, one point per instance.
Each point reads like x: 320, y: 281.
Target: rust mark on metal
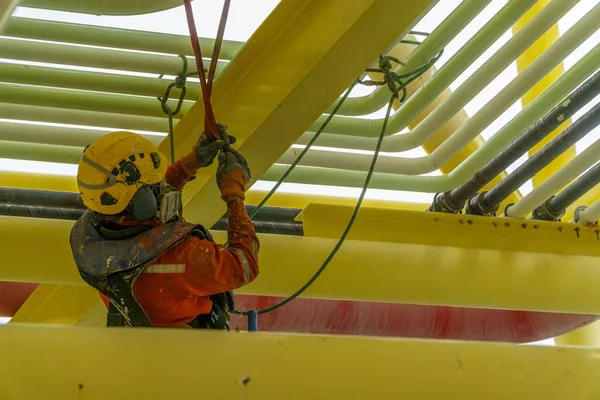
x: 460, y: 221
x: 560, y: 228
x: 536, y: 226
x: 244, y: 381
x: 524, y: 226
x: 507, y: 224
x: 577, y: 231
x: 470, y: 221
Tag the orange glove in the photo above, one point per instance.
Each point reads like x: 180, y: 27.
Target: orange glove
x: 233, y: 174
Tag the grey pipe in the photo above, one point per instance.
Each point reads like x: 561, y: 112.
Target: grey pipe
x: 48, y: 199
x: 55, y: 31
x: 454, y: 201
x: 554, y: 208
x: 72, y: 214
x: 36, y: 211
x: 487, y: 203
x: 44, y: 198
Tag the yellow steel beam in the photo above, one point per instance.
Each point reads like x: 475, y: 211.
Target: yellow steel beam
x: 6, y: 9
x: 586, y: 336
x: 57, y: 304
x: 296, y: 200
x: 166, y: 363
x: 94, y: 316
x: 286, y: 75
x: 25, y: 180
x: 523, y: 61
x: 428, y: 258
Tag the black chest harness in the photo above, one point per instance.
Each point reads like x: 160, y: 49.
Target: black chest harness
x: 112, y: 261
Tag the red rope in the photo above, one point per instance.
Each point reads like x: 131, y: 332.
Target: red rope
x: 217, y: 48
x: 210, y: 123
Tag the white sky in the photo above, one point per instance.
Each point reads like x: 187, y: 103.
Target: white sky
x: 246, y: 16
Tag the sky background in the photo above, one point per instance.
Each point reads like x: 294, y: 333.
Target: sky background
x: 245, y: 16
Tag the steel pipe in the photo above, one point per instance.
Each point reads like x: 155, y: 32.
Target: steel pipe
x: 489, y: 201
x: 30, y: 211
x: 454, y: 201
x: 426, y: 51
x: 470, y: 52
x: 82, y: 117
x: 54, y: 135
x: 86, y: 101
x: 554, y: 208
x: 72, y: 214
x: 40, y: 152
x: 589, y: 215
x: 91, y: 81
x: 42, y: 198
x: 105, y: 7
x: 562, y: 177
x: 486, y: 115
x: 129, y: 39
x: 431, y: 184
x: 81, y: 56
x: 498, y: 63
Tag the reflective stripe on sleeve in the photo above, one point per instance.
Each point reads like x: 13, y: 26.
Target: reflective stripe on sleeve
x: 165, y: 269
x: 242, y: 256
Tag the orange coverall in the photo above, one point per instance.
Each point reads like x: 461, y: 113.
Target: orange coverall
x: 175, y: 288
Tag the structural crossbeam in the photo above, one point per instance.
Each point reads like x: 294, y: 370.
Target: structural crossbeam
x: 166, y: 363
x: 563, y: 260
x: 285, y: 76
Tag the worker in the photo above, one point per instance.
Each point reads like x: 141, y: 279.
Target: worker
x: 132, y: 245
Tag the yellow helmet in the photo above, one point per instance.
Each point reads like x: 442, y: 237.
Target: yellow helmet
x: 114, y: 167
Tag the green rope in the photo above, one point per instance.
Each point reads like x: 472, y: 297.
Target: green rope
x: 348, y: 227
x: 412, y: 76
x: 304, y: 151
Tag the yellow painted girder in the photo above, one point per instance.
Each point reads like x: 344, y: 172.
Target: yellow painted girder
x: 286, y: 75
x: 438, y: 259
x: 173, y: 364
x: 57, y: 304
x: 523, y: 61
x: 6, y: 9
x: 440, y: 229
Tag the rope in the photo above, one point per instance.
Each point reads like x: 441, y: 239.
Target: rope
x: 350, y: 222
x: 210, y: 123
x: 386, y: 69
x: 217, y: 49
x: 304, y: 151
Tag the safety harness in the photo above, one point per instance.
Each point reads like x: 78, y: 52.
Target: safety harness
x: 111, y: 261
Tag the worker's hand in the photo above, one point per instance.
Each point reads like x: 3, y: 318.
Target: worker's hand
x: 233, y: 174
x: 207, y: 149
